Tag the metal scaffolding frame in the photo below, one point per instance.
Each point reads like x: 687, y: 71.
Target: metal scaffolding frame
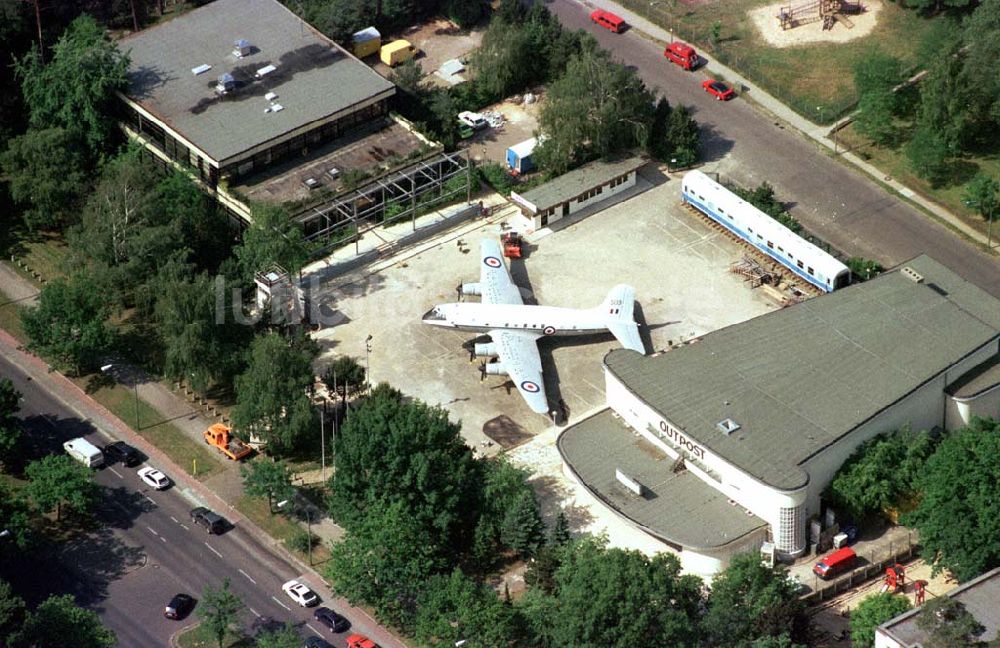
x: 364, y: 208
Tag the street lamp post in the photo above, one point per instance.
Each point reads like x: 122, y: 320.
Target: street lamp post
x: 368, y: 352
x: 135, y: 391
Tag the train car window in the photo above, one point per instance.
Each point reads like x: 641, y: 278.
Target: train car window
x: 770, y: 245
x: 810, y: 271
x: 750, y: 230
x: 760, y: 238
x: 781, y: 249
x: 800, y: 264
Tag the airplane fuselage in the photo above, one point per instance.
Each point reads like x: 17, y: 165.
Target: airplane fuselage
x: 541, y: 320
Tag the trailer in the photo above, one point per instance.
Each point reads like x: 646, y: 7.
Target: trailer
x: 519, y: 156
x: 366, y: 42
x: 396, y: 52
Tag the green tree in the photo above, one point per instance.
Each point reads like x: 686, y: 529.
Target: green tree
x: 929, y: 155
x: 864, y: 269
x: 875, y: 118
x: 10, y: 428
x: 339, y: 19
x: 283, y: 637
x: 400, y: 451
x: 454, y: 607
x: 875, y: 76
x: 510, y: 518
x: 56, y: 619
x: 47, y: 174
x: 266, y: 478
x: 873, y: 612
x: 76, y: 89
x: 883, y: 473
x: 68, y: 325
x: 682, y: 138
x: 981, y: 39
x: 344, y: 373
x: 596, y: 109
x: 384, y: 560
x: 196, y: 219
x: 272, y: 238
x: 272, y: 401
x: 56, y: 482
x: 949, y: 624
x: 465, y: 13
x: 946, y: 103
x: 778, y: 641
x: 597, y: 589
x: 764, y: 199
x: 219, y: 610
x: 749, y: 601
x: 983, y: 194
x: 957, y: 517
x: 17, y: 519
x: 502, y: 64
x: 12, y: 611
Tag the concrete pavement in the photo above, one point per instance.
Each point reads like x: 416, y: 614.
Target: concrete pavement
x: 819, y: 133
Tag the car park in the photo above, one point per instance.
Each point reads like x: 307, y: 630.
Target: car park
x: 608, y: 20
x: 179, y: 606
x: 121, y: 452
x: 721, y: 91
x: 332, y: 620
x: 473, y: 120
x: 153, y: 478
x: 360, y: 641
x: 213, y: 522
x: 300, y: 593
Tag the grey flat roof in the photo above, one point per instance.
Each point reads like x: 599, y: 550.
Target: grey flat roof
x: 979, y: 596
x: 798, y: 379
x: 677, y: 507
x: 578, y: 181
x: 313, y: 76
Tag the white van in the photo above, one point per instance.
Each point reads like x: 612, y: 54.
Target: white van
x: 85, y: 452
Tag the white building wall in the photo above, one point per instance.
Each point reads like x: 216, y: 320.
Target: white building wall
x: 762, y: 500
x: 607, y: 191
x: 883, y: 640
x: 959, y: 411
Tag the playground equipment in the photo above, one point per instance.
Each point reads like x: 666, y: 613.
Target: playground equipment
x: 829, y: 11
x: 920, y: 587
x: 895, y: 579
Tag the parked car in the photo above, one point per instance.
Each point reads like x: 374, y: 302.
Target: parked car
x: 213, y: 522
x: 153, y: 477
x: 119, y: 451
x: 682, y: 54
x: 179, y: 606
x: 85, y: 452
x: 317, y: 642
x: 331, y: 619
x: 473, y: 120
x: 300, y: 593
x: 835, y: 563
x: 722, y: 91
x: 607, y: 20
x: 360, y: 641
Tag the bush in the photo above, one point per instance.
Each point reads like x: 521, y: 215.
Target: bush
x: 495, y: 175
x: 302, y: 541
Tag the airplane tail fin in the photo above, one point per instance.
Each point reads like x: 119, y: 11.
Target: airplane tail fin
x: 618, y: 307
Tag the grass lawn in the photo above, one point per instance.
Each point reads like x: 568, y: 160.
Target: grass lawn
x: 816, y: 80
x: 894, y: 162
x: 181, y: 449
x: 280, y: 528
x: 198, y: 637
x: 43, y: 252
x: 10, y: 319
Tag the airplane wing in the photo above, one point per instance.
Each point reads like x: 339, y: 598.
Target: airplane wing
x: 494, y: 280
x: 518, y: 352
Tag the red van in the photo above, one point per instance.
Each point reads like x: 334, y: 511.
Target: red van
x: 836, y: 563
x: 683, y: 55
x: 608, y: 20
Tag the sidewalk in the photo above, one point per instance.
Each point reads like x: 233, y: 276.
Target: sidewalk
x: 818, y: 133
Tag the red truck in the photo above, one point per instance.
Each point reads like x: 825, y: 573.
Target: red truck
x: 683, y: 55
x: 608, y: 20
x: 221, y: 437
x: 836, y: 563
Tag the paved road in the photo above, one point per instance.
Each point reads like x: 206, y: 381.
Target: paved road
x: 833, y: 201
x: 144, y: 549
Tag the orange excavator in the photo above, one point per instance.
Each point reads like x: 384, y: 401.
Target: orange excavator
x: 221, y: 437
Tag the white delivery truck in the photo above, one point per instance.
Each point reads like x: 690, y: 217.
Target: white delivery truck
x: 85, y: 452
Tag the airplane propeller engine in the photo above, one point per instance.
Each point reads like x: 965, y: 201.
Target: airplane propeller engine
x: 470, y: 289
x: 488, y: 350
x: 491, y: 369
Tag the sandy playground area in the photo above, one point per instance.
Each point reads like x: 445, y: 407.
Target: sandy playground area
x: 765, y: 19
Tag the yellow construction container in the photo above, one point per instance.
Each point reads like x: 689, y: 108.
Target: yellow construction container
x: 396, y: 52
x: 366, y: 42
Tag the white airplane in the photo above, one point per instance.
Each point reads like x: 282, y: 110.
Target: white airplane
x: 515, y: 328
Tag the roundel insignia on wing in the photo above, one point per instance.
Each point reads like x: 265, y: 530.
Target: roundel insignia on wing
x: 492, y: 262
x: 530, y: 387
x: 549, y: 330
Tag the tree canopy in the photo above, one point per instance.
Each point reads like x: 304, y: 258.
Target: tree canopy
x: 56, y: 619
x: 983, y: 194
x: 57, y: 482
x: 750, y: 601
x: 284, y: 637
x: 510, y: 516
x: 272, y: 238
x: 949, y: 624
x: 219, y: 610
x: 452, y: 607
x: 10, y: 427
x: 957, y: 517
x: 270, y: 479
x: 47, y: 173
x: 17, y: 517
x: 873, y: 612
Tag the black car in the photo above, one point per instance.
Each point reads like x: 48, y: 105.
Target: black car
x: 179, y: 606
x: 331, y: 619
x: 316, y: 642
x: 212, y: 522
x: 123, y: 452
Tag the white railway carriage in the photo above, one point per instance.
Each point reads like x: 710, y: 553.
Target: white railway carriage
x: 763, y: 232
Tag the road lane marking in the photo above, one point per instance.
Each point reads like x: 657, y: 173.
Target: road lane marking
x: 255, y: 613
x: 175, y: 519
x: 281, y: 604
x: 248, y: 576
x: 314, y: 629
x: 213, y: 550
x: 152, y: 531
x: 116, y: 472
x: 183, y: 527
x: 151, y: 500
x: 162, y: 538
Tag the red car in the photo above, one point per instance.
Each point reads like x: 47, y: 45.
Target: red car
x: 608, y: 20
x: 722, y: 91
x: 360, y: 641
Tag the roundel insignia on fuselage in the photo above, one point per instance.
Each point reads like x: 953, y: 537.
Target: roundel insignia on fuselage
x: 549, y: 330
x: 492, y: 262
x: 530, y: 387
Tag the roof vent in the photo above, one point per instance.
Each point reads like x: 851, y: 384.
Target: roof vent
x: 727, y: 426
x: 201, y: 69
x: 243, y: 48
x: 628, y: 482
x: 912, y: 275
x: 267, y: 69
x: 227, y: 83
